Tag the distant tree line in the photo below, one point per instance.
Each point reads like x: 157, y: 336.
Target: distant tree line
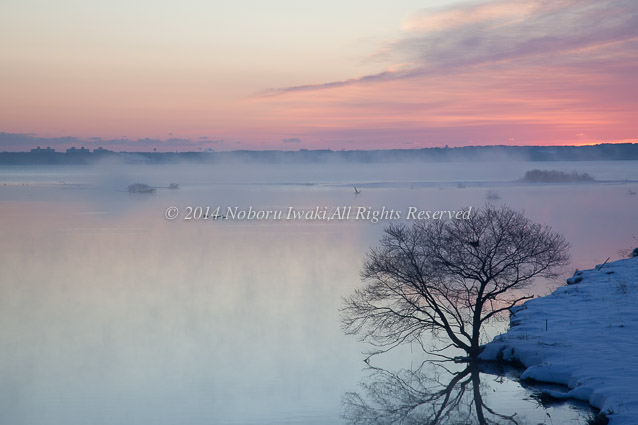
x: 610, y: 152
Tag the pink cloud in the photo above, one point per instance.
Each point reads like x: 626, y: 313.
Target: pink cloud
x: 532, y: 71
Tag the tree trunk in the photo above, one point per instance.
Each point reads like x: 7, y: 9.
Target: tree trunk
x: 475, y: 348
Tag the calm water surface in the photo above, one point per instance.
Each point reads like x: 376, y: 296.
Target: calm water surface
x: 112, y: 314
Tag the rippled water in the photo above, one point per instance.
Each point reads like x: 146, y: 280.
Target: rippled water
x: 112, y: 314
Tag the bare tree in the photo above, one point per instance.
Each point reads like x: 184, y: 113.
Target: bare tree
x: 450, y: 278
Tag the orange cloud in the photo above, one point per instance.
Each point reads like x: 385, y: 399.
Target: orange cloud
x: 426, y: 20
x: 564, y: 70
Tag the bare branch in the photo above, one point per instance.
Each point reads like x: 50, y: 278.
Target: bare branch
x: 448, y: 278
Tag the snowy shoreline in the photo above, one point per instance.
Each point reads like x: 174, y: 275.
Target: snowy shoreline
x: 583, y: 335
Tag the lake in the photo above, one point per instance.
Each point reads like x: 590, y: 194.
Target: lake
x: 110, y: 313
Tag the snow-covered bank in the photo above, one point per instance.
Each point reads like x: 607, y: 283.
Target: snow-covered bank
x: 585, y: 336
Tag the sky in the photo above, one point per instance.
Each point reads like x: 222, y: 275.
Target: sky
x: 291, y: 74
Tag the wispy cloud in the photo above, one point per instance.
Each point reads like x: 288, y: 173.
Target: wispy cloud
x: 461, y: 38
x: 499, y: 12
x: 511, y: 72
x: 385, y: 75
x: 292, y: 140
x: 491, y: 71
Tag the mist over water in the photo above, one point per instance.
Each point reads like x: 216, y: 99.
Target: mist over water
x: 112, y: 314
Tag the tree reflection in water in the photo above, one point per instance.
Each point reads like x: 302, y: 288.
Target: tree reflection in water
x: 426, y: 396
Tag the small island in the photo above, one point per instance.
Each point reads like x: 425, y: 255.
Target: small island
x: 140, y: 188
x: 555, y: 176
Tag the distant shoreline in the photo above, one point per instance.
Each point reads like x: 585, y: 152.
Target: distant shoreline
x: 82, y: 156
